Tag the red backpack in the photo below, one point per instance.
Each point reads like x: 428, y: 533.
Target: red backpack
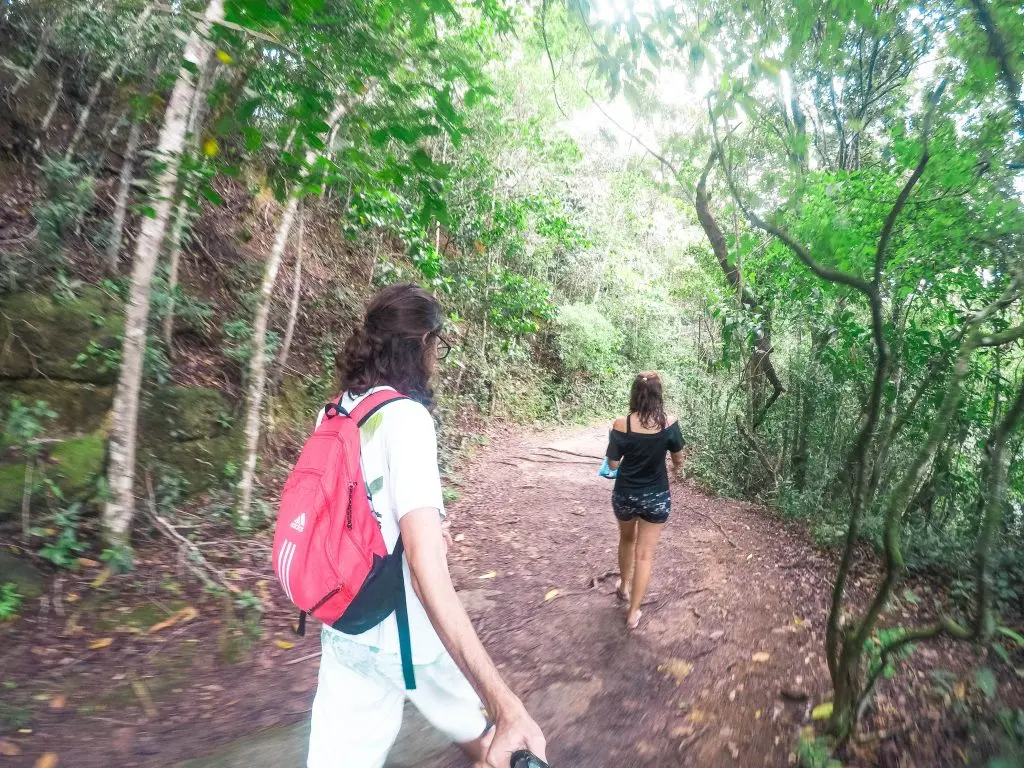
x: 329, y: 553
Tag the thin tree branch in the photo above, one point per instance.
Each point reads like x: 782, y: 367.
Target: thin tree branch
x: 551, y: 60
x: 659, y: 157
x: 998, y: 49
x: 901, y: 200
x: 1004, y: 337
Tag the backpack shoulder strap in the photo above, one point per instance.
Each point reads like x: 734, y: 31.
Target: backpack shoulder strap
x: 402, y: 619
x: 372, y: 403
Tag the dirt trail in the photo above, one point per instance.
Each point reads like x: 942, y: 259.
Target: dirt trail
x: 727, y: 658
x: 735, y: 617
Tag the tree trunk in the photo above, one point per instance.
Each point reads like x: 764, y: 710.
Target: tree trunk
x: 119, y: 509
x: 173, y: 264
x: 123, y: 193
x: 801, y: 447
x: 105, y: 77
x: 58, y: 92
x: 808, y: 403
x: 258, y: 362
x: 761, y: 356
x: 182, y: 211
x: 40, y: 54
x: 993, y: 506
x: 28, y: 485
x: 293, y: 309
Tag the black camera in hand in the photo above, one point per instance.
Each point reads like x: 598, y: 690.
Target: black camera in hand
x: 526, y: 759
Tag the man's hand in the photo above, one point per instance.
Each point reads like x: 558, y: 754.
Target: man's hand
x: 513, y: 731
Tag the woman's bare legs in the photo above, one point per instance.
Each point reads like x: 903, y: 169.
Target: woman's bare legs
x: 627, y: 543
x: 647, y: 535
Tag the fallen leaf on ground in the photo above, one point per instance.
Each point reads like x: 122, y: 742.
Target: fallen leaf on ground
x: 144, y: 698
x: 47, y: 760
x: 551, y: 594
x: 9, y: 748
x: 488, y: 575
x: 58, y: 702
x: 284, y: 645
x: 100, y: 580
x: 85, y: 562
x: 677, y: 669
x: 822, y: 711
x: 103, y: 642
x: 185, y: 614
x: 460, y: 536
x: 760, y: 657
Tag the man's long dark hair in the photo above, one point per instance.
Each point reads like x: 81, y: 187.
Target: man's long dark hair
x: 645, y: 400
x: 388, y: 349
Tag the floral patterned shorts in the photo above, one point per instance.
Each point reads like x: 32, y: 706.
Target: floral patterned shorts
x: 651, y: 506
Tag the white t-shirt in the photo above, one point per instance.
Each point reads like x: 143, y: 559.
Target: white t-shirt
x: 399, y: 461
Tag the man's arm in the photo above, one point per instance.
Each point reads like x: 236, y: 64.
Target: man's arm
x: 425, y: 552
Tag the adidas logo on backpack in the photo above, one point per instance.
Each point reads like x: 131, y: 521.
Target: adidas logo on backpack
x: 299, y: 523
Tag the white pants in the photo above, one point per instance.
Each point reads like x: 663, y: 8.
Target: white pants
x: 357, y: 712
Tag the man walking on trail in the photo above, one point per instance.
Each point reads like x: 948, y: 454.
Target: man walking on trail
x: 357, y: 712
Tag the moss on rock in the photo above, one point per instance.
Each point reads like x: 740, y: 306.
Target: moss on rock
x: 201, y: 463
x: 30, y: 583
x: 12, y: 486
x: 295, y: 405
x: 76, y: 464
x: 42, y: 336
x: 73, y: 465
x: 182, y: 414
x: 80, y: 406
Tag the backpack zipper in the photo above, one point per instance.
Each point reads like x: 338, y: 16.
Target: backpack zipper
x: 323, y: 600
x: 348, y: 512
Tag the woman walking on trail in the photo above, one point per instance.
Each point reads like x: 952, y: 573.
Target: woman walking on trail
x: 641, y: 501
x: 360, y: 695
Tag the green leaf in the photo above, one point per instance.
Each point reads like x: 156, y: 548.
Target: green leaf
x: 1007, y: 632
x: 822, y: 711
x: 375, y: 486
x: 371, y: 426
x: 211, y: 194
x: 910, y: 597
x: 253, y: 139
x: 652, y: 51
x: 632, y: 94
x: 985, y: 679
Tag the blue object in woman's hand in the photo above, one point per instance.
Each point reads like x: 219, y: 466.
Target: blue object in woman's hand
x: 607, y: 471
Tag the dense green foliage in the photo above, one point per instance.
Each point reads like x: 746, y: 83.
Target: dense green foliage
x: 807, y: 217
